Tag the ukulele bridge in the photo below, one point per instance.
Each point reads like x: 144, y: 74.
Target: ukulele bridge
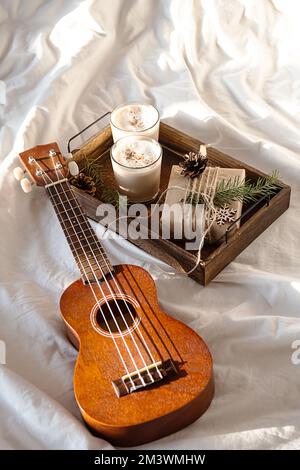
x: 144, y: 377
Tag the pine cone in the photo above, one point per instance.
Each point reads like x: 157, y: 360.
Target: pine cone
x: 193, y: 164
x: 85, y: 183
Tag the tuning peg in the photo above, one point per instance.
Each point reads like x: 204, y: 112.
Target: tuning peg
x: 52, y: 153
x: 26, y: 185
x: 68, y: 156
x: 73, y: 168
x: 18, y: 173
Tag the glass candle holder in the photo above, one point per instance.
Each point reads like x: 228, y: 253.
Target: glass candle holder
x: 134, y: 118
x: 136, y: 162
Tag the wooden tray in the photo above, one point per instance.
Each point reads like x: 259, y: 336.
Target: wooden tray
x: 213, y: 258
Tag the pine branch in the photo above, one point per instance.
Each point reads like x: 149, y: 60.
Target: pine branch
x: 109, y: 195
x: 237, y: 190
x: 95, y: 170
x: 98, y: 173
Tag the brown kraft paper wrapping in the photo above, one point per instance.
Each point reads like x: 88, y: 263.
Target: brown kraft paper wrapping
x: 217, y: 231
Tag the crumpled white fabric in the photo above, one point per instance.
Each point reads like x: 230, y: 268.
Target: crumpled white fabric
x: 224, y: 71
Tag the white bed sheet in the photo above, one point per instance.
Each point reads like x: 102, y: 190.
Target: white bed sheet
x: 222, y: 70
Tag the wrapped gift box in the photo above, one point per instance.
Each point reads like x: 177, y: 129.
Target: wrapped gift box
x: 184, y: 186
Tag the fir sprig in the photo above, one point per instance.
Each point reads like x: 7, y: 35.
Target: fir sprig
x: 98, y: 173
x: 236, y: 189
x: 94, y: 170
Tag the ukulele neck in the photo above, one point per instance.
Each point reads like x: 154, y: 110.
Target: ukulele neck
x: 87, y: 250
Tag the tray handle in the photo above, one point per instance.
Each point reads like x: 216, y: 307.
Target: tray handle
x: 86, y: 128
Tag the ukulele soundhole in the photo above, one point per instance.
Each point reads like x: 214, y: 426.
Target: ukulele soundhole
x: 115, y: 316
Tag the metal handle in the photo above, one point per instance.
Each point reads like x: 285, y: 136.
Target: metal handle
x: 85, y: 129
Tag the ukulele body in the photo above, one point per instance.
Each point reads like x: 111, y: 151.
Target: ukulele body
x: 155, y: 410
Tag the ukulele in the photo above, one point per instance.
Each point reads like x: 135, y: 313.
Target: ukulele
x: 140, y: 374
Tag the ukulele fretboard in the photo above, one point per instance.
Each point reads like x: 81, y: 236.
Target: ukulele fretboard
x: 86, y: 248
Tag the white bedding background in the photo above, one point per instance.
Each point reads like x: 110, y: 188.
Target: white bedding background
x: 221, y: 70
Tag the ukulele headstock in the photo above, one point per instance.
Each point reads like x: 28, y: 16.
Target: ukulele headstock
x: 44, y: 165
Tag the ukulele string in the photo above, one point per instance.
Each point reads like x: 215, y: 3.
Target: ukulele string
x: 138, y: 328
x: 90, y: 285
x: 126, y: 304
x: 107, y: 303
x: 112, y: 293
x: 144, y: 342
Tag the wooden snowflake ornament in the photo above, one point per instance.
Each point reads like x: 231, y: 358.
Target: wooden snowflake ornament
x: 225, y: 214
